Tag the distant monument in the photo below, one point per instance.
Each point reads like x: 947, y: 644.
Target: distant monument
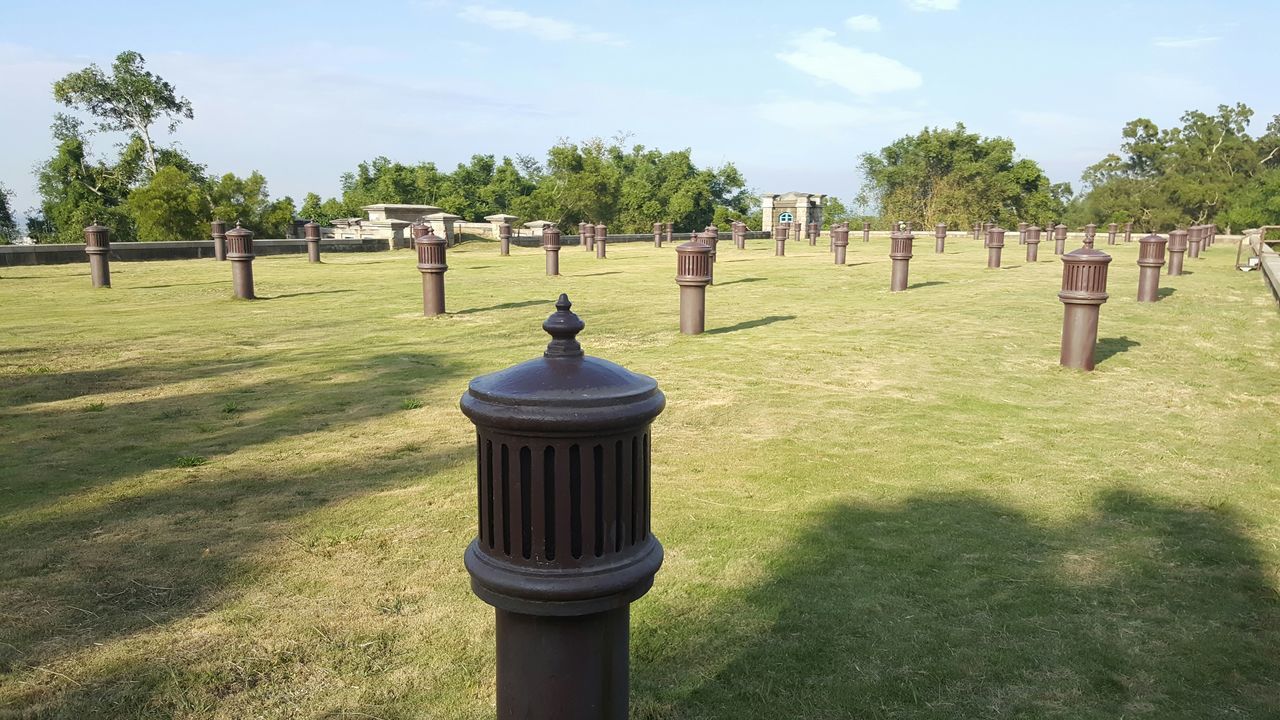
x: 391, y: 222
x: 792, y: 207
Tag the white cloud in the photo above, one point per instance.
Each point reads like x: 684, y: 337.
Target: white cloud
x: 545, y: 28
x: 819, y: 116
x: 861, y: 73
x: 932, y: 5
x: 1189, y: 42
x: 863, y: 23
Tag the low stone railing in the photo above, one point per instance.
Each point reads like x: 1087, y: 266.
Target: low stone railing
x: 60, y: 254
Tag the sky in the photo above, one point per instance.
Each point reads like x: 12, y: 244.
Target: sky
x: 791, y: 94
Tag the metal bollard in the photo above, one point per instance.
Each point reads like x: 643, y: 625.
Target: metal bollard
x: 551, y: 246
x: 504, y: 239
x: 1059, y: 239
x: 940, y: 238
x: 1150, y: 260
x: 840, y: 242
x: 1111, y: 233
x: 564, y: 542
x: 711, y: 236
x: 812, y: 231
x: 1128, y: 231
x: 311, y: 231
x: 1193, y: 240
x: 1177, y: 248
x: 97, y: 245
x: 900, y: 253
x: 601, y: 241
x: 995, y: 244
x: 657, y: 234
x: 739, y: 234
x: 1022, y: 233
x: 1033, y: 244
x: 780, y: 240
x: 670, y: 230
x: 1084, y: 290
x: 588, y: 237
x: 866, y: 232
x: 431, y: 263
x: 693, y: 275
x: 1090, y: 231
x: 240, y: 253
x: 219, y: 232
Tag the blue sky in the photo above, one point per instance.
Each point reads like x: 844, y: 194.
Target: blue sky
x: 791, y: 93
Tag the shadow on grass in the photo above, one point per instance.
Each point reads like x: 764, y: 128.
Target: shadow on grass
x: 302, y: 294
x: 1108, y: 348
x: 741, y: 280
x: 747, y: 325
x: 608, y: 272
x: 504, y: 306
x: 856, y: 264
x: 173, y: 285
x: 930, y: 283
x: 956, y: 606
x: 1165, y: 292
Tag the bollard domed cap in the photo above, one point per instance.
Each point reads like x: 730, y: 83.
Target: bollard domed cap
x: 96, y: 228
x: 565, y: 391
x: 311, y: 223
x: 238, y: 231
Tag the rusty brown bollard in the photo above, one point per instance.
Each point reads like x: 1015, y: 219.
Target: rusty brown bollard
x: 582, y: 234
x: 1150, y: 260
x: 601, y: 241
x: 940, y: 238
x: 780, y: 240
x: 1033, y: 244
x: 866, y: 232
x: 986, y: 232
x: 504, y: 239
x: 417, y: 230
x: 711, y: 236
x: 811, y: 231
x: 1059, y: 239
x: 240, y: 253
x: 995, y: 245
x: 1111, y: 233
x: 1090, y: 231
x: 739, y: 234
x: 1193, y: 240
x: 564, y: 542
x: 551, y: 246
x: 1177, y: 247
x: 1128, y: 231
x: 900, y: 253
x: 588, y: 237
x: 1084, y: 289
x: 840, y: 242
x: 657, y: 235
x: 693, y: 275
x: 311, y: 231
x: 671, y: 228
x: 1022, y: 233
x: 219, y: 232
x: 431, y: 263
x: 97, y: 245
x: 977, y: 229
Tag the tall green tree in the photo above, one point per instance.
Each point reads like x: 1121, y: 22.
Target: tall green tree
x: 8, y: 224
x: 172, y: 206
x: 77, y: 190
x: 129, y: 99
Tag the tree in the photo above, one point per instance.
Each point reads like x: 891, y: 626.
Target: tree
x: 8, y: 226
x: 130, y: 99
x: 834, y: 211
x: 245, y: 200
x: 172, y: 206
x: 77, y: 190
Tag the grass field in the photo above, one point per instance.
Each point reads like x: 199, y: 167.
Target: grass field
x: 873, y: 505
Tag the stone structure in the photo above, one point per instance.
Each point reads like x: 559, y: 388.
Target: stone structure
x: 496, y: 222
x: 390, y: 222
x: 796, y: 208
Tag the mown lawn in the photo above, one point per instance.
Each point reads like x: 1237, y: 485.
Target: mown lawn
x: 873, y: 505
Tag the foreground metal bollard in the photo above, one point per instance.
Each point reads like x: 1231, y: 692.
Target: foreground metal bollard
x: 840, y: 242
x: 940, y: 238
x: 1033, y: 244
x: 1128, y: 231
x: 900, y: 253
x: 504, y: 239
x: 588, y: 237
x: 657, y: 235
x: 1084, y: 290
x: 311, y: 231
x: 1150, y: 260
x: 1090, y: 231
x: 1111, y: 233
x: 1022, y: 233
x: 431, y: 263
x: 219, y: 232
x: 866, y: 232
x: 693, y: 275
x: 97, y: 245
x: 1177, y: 248
x: 602, y: 236
x: 564, y: 542
x: 1059, y: 239
x: 1193, y: 240
x: 780, y: 240
x: 995, y: 245
x: 551, y: 246
x: 240, y: 253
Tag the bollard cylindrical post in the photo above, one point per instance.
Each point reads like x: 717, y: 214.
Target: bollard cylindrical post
x: 1033, y: 244
x: 900, y: 253
x: 601, y: 238
x: 551, y: 246
x: 431, y: 263
x: 940, y: 238
x: 995, y: 245
x: 711, y: 236
x: 219, y: 232
x: 1128, y: 231
x: 1084, y: 290
x: 311, y: 231
x: 1022, y: 233
x: 240, y: 254
x: 1150, y: 260
x: 840, y: 242
x: 739, y: 234
x: 97, y: 245
x: 589, y: 237
x: 1193, y: 241
x: 1111, y: 233
x: 1059, y: 239
x: 1177, y: 247
x: 1090, y: 231
x: 693, y: 275
x: 657, y: 234
x: 780, y: 239
x: 564, y: 542
x: 504, y: 239
x: 671, y: 227
x: 811, y: 230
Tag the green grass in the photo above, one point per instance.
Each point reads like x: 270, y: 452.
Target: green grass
x: 874, y: 505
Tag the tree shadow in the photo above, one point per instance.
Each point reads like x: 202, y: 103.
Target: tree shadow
x: 748, y: 324
x: 1165, y: 292
x: 173, y: 285
x: 1108, y: 348
x: 956, y: 606
x: 930, y: 283
x: 301, y: 294
x: 741, y: 280
x: 609, y: 272
x: 503, y: 306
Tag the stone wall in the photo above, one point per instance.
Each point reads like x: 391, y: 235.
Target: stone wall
x: 11, y: 255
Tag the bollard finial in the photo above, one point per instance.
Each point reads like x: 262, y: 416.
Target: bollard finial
x: 563, y: 326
